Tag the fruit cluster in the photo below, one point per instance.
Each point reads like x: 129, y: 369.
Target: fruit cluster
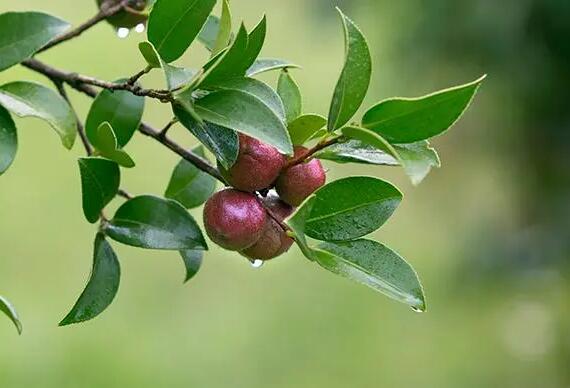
x: 248, y: 216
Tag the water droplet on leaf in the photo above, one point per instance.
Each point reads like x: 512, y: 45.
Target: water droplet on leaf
x: 140, y: 28
x: 122, y: 32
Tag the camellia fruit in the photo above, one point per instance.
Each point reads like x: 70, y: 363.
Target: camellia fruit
x: 257, y: 165
x: 298, y: 182
x: 234, y: 219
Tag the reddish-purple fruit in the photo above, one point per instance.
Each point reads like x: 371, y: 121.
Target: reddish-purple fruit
x: 257, y: 165
x: 298, y: 182
x: 274, y: 240
x: 233, y: 219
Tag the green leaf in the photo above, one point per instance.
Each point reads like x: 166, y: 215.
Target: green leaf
x: 408, y: 120
x: 255, y: 42
x: 371, y: 138
x: 225, y: 29
x: 354, y: 79
x: 26, y: 99
x: 174, y: 24
x: 297, y: 222
x: 305, y: 127
x: 192, y: 262
x: 229, y: 64
x: 190, y: 186
x: 102, y: 286
x: 106, y: 144
x: 268, y: 64
x: 221, y: 141
x: 351, y: 208
x: 8, y: 140
x: 257, y: 89
x: 150, y: 54
x: 7, y: 308
x: 290, y: 94
x: 244, y: 112
x: 100, y: 179
x: 209, y: 32
x: 355, y: 151
x: 121, y: 109
x: 155, y: 223
x: 417, y: 159
x: 376, y: 266
x: 22, y: 34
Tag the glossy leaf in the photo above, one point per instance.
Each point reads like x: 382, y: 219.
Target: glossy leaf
x: 351, y: 208
x: 355, y: 151
x: 229, y: 64
x: 268, y: 64
x: 100, y: 179
x: 7, y: 308
x: 290, y: 94
x: 354, y: 79
x: 121, y: 109
x: 297, y: 222
x: 102, y: 286
x: 174, y: 24
x: 376, y: 266
x: 28, y: 99
x: 408, y: 120
x: 368, y: 137
x: 176, y: 77
x: 305, y: 127
x: 22, y: 34
x: 192, y: 262
x: 150, y: 54
x: 8, y: 140
x: 224, y: 29
x: 255, y: 42
x: 107, y: 146
x: 257, y: 89
x: 221, y: 141
x: 190, y: 186
x: 155, y: 223
x: 243, y: 112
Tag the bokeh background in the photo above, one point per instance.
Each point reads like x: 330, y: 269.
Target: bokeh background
x: 489, y: 233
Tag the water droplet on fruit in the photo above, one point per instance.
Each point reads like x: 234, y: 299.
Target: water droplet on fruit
x: 257, y: 263
x: 140, y: 28
x: 123, y: 32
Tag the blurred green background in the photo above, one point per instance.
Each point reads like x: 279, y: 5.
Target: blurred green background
x: 489, y: 233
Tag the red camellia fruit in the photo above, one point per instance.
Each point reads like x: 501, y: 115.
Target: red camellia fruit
x: 233, y: 219
x: 274, y: 240
x: 298, y: 182
x: 257, y: 166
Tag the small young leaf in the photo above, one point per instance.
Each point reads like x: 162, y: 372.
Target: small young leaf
x: 155, y: 223
x: 121, y: 109
x: 255, y: 42
x: 209, y: 32
x: 408, y: 120
x: 221, y: 141
x: 190, y: 186
x: 355, y: 151
x: 354, y: 79
x: 150, y: 54
x: 228, y: 64
x: 102, y: 286
x: 268, y: 64
x: 7, y: 308
x: 257, y: 89
x: 8, y: 140
x: 106, y: 144
x: 30, y: 99
x: 290, y: 94
x: 376, y: 266
x: 305, y: 127
x: 225, y: 29
x: 22, y: 34
x: 351, y: 208
x: 192, y: 262
x: 297, y: 222
x: 174, y: 24
x: 100, y: 179
x: 243, y: 112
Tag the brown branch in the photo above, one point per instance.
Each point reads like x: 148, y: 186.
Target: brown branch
x: 133, y: 80
x: 167, y: 127
x: 310, y: 152
x: 125, y: 194
x: 106, y: 11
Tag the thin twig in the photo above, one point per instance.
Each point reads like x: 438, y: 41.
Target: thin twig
x: 310, y: 152
x: 167, y: 127
x: 105, y: 12
x: 125, y: 194
x: 133, y: 80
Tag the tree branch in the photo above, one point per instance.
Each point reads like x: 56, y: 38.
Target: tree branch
x: 310, y: 152
x: 106, y: 11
